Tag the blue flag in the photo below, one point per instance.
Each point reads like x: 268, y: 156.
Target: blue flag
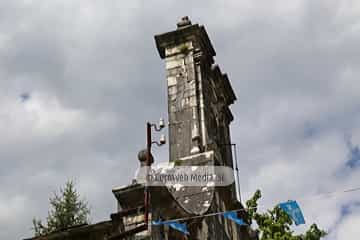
x: 294, y: 211
x: 173, y: 224
x: 233, y: 216
x: 179, y: 226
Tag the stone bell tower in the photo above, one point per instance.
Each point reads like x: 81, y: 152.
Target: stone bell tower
x: 199, y: 94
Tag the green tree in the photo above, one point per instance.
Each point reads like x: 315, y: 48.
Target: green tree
x: 275, y: 223
x: 66, y: 210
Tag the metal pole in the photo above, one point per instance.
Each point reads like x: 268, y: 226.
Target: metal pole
x: 148, y: 156
x: 237, y: 170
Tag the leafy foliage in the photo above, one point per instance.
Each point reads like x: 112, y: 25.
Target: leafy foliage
x: 275, y: 223
x: 66, y: 210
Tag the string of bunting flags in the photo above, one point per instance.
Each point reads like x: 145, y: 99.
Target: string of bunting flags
x: 290, y: 207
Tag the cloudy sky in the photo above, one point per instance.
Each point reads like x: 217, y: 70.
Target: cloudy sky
x: 79, y: 79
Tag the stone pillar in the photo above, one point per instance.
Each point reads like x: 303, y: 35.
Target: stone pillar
x: 198, y: 94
